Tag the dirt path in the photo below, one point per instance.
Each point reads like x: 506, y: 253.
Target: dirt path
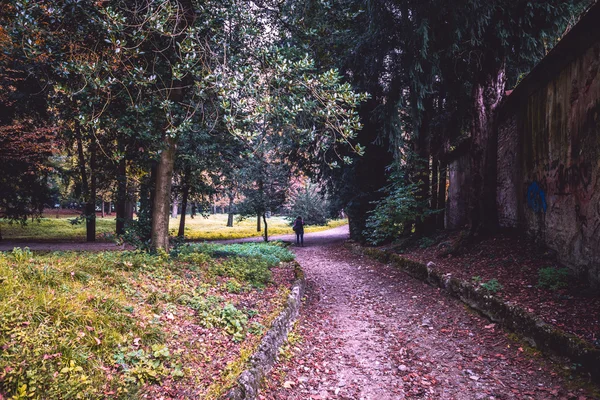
x: 373, y: 332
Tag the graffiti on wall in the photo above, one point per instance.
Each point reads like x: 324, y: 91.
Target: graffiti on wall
x: 536, y: 198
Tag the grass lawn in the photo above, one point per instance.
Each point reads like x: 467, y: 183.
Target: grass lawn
x: 130, y: 325
x: 55, y: 229
x: 198, y: 228
x: 214, y: 227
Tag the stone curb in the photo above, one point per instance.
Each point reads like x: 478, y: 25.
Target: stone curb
x: 539, y: 334
x: 263, y: 360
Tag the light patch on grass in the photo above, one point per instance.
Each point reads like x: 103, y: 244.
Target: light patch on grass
x: 197, y: 228
x: 214, y: 227
x: 55, y: 229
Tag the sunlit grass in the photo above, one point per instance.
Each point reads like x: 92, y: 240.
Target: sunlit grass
x: 214, y: 227
x: 105, y: 325
x: 55, y: 229
x: 197, y: 228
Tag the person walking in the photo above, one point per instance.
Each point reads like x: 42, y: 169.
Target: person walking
x: 299, y: 229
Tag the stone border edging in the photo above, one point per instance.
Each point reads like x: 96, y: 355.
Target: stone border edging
x: 262, y: 361
x: 539, y: 334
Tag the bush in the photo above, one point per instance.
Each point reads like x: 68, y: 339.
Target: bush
x: 553, y: 278
x: 311, y: 205
x: 492, y: 286
x: 399, y: 206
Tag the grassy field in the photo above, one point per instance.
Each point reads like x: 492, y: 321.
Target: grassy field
x: 214, y: 227
x: 55, y: 229
x: 198, y: 228
x: 130, y: 325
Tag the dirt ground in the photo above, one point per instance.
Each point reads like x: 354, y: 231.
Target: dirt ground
x: 369, y: 331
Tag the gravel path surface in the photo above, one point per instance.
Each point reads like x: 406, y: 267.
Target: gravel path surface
x: 372, y: 332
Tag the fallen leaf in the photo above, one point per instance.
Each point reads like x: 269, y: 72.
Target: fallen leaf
x: 289, y: 384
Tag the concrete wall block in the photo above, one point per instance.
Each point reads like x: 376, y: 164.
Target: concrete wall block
x: 549, y: 165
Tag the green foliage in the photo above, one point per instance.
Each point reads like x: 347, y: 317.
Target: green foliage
x: 311, y: 205
x: 88, y: 326
x: 142, y: 367
x: 256, y: 328
x: 271, y: 253
x: 233, y: 286
x: 553, y: 278
x: 53, y: 229
x: 492, y: 285
x: 254, y: 270
x: 400, y: 206
x: 211, y: 314
x: 426, y: 242
x: 60, y: 324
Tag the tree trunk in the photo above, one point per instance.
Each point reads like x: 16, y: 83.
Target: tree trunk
x: 422, y: 171
x: 103, y: 206
x: 87, y: 188
x: 230, y: 210
x: 184, y: 200
x: 146, y: 204
x: 258, y: 229
x: 90, y: 218
x: 121, y: 207
x: 174, y: 209
x: 162, y: 196
x: 434, y: 181
x: 266, y: 235
x: 487, y: 94
x: 441, y: 193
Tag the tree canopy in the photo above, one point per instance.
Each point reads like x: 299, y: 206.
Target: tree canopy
x: 156, y: 101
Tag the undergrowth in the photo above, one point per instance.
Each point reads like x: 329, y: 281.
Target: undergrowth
x: 94, y: 325
x: 553, y: 278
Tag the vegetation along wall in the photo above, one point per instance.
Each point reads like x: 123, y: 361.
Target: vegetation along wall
x: 549, y: 154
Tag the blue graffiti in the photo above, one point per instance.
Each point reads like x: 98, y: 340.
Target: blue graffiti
x: 536, y: 198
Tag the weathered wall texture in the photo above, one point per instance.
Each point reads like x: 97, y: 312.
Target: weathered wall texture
x: 549, y: 164
x: 508, y: 173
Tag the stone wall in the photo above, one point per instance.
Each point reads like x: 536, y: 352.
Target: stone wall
x: 549, y: 163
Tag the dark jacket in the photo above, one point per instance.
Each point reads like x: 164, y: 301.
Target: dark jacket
x: 298, y: 226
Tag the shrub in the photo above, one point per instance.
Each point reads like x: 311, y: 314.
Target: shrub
x: 426, y: 242
x: 211, y: 314
x: 553, y: 278
x: 492, y: 286
x: 309, y: 203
